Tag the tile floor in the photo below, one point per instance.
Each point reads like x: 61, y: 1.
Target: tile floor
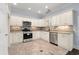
x: 36, y: 47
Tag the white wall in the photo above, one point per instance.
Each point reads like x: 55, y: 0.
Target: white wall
x: 4, y: 29
x: 77, y: 34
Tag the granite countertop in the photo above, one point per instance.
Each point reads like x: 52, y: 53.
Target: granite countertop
x: 41, y: 30
x: 62, y: 31
x: 47, y: 29
x: 15, y: 28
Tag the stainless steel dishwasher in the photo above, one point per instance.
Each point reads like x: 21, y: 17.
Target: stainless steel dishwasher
x: 53, y: 38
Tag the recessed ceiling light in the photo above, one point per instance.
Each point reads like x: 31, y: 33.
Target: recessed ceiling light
x: 39, y: 11
x: 14, y: 3
x: 46, y: 6
x: 29, y: 8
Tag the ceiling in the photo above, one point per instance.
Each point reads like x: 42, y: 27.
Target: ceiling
x: 22, y: 9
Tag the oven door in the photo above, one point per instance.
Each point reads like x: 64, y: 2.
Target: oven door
x: 27, y: 35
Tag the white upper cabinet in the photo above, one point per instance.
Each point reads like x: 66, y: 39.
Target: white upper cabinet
x: 39, y: 22
x: 44, y: 23
x: 53, y: 21
x: 65, y: 18
x: 17, y: 20
x: 35, y: 22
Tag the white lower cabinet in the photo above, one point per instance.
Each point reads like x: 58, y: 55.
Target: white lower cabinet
x: 35, y: 35
x: 65, y: 40
x: 15, y: 37
x: 41, y: 35
x: 44, y: 35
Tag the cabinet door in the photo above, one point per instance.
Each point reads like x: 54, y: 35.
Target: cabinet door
x: 44, y: 22
x: 62, y: 19
x: 53, y: 21
x: 11, y: 38
x: 35, y: 23
x: 16, y: 37
x: 66, y: 18
x: 65, y: 41
x: 49, y: 19
x: 35, y: 35
x: 69, y: 18
x: 58, y: 20
x: 44, y: 35
x: 19, y: 37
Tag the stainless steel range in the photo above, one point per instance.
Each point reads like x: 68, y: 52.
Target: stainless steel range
x: 27, y: 33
